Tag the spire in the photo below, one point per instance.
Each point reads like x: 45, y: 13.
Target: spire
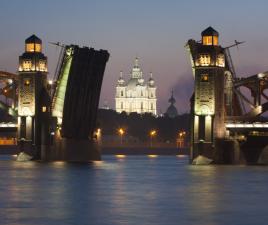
x: 136, y: 62
x: 151, y: 80
x: 121, y: 80
x: 172, y: 99
x: 172, y: 110
x: 136, y: 70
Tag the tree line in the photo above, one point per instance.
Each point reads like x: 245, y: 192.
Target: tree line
x: 140, y: 125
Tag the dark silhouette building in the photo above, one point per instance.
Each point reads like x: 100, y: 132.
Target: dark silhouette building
x: 172, y: 110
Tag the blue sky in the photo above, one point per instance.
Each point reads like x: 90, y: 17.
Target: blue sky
x: 155, y: 31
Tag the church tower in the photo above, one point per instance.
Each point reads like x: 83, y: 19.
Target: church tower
x: 33, y: 98
x: 172, y: 110
x: 208, y: 63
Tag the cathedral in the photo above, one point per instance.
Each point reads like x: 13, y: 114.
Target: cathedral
x: 136, y: 95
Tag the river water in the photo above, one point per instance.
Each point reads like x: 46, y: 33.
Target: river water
x: 135, y: 190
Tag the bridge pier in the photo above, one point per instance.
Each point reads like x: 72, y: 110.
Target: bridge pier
x: 207, y: 106
x: 71, y: 150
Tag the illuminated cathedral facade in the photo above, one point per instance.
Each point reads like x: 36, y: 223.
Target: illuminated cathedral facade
x: 136, y: 95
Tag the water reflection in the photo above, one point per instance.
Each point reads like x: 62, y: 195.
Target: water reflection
x: 133, y: 190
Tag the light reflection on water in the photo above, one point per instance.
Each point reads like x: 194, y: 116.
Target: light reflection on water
x: 138, y: 190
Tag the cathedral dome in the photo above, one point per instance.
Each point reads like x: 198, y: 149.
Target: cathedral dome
x: 172, y: 111
x: 132, y: 83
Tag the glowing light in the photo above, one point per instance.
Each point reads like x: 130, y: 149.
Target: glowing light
x: 59, y: 163
x: 27, y: 82
x: 120, y: 156
x: 246, y: 125
x: 97, y: 163
x: 50, y: 82
x: 26, y: 65
x: 210, y: 40
x: 152, y: 133
x: 121, y: 131
x: 33, y: 47
x: 152, y: 156
x: 204, y: 60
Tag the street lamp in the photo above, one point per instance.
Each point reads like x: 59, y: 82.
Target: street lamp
x: 152, y: 134
x: 50, y: 86
x: 121, y: 133
x: 180, y: 140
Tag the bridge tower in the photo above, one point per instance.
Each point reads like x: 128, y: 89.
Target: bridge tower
x: 33, y: 98
x: 208, y: 64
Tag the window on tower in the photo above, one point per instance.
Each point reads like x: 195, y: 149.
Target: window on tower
x: 121, y: 105
x: 220, y: 60
x: 33, y: 47
x: 204, y: 60
x: 204, y: 78
x: 27, y: 65
x: 38, y: 48
x: 215, y: 40
x: 207, y: 40
x: 42, y: 65
x: 122, y: 93
x: 30, y: 47
x: 27, y: 82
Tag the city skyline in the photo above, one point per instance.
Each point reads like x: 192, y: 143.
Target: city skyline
x: 154, y: 31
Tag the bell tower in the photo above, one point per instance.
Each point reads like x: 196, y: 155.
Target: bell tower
x: 208, y: 63
x: 33, y: 98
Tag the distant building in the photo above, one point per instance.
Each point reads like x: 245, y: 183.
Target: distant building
x: 172, y: 110
x: 136, y: 95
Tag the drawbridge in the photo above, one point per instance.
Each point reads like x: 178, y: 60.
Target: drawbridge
x: 54, y: 120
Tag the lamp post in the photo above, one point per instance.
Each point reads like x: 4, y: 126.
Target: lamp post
x: 121, y: 133
x: 50, y: 86
x: 152, y: 134
x: 180, y: 140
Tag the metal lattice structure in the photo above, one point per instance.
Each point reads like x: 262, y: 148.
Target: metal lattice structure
x: 8, y: 93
